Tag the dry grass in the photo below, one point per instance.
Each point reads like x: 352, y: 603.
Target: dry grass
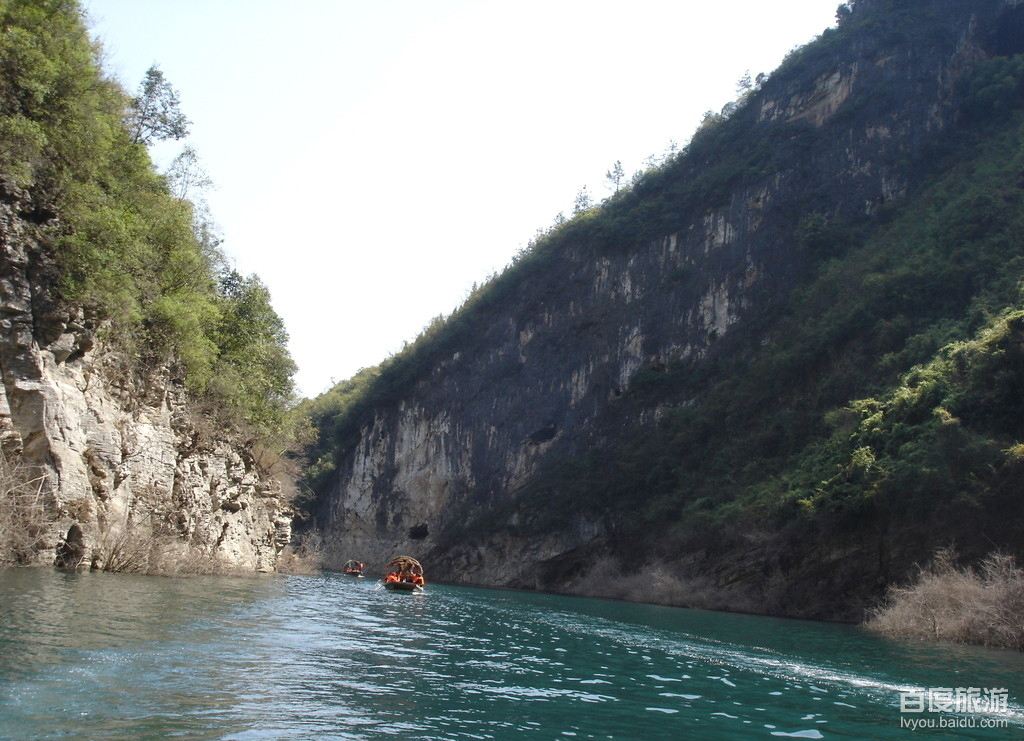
x: 172, y: 556
x: 139, y: 548
x: 24, y: 519
x: 306, y: 556
x: 149, y: 542
x: 127, y: 551
x: 655, y: 583
x: 960, y: 605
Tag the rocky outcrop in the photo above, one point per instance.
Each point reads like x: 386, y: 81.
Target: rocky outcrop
x: 544, y: 381
x: 120, y: 447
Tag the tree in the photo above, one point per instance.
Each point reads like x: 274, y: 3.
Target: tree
x: 744, y: 85
x: 710, y: 119
x: 615, y: 174
x: 582, y: 202
x: 254, y: 370
x: 155, y: 113
x: 843, y: 13
x: 186, y: 174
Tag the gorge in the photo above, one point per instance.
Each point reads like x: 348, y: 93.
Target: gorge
x: 773, y: 374
x: 760, y: 379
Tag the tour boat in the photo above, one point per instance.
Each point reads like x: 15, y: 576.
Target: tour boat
x: 402, y: 586
x: 405, y: 574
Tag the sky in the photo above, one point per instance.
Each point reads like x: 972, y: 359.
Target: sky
x: 372, y: 160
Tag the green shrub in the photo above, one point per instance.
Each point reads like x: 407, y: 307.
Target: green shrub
x: 128, y: 250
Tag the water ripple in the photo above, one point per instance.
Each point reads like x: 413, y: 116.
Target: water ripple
x: 119, y: 657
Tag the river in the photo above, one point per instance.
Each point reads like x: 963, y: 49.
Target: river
x: 107, y: 656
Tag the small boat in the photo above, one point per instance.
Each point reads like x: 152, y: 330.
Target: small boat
x: 402, y: 586
x: 354, y: 568
x: 405, y: 574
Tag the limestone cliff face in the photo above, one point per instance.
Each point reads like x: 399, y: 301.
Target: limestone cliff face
x: 545, y: 379
x: 116, y: 451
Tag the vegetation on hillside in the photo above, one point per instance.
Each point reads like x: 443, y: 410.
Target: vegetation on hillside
x: 23, y: 516
x: 884, y: 393
x: 888, y: 385
x: 902, y: 295
x: 950, y: 603
x: 650, y: 206
x: 137, y: 256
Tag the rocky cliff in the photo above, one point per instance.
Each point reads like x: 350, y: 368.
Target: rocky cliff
x: 460, y: 465
x: 120, y: 449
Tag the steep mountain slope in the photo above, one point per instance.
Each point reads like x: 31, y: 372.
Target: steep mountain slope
x: 137, y: 372
x: 668, y: 398
x: 124, y: 459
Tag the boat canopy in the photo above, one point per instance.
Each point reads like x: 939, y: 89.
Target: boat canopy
x: 406, y: 563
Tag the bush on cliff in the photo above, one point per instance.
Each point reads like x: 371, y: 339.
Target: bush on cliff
x: 24, y: 520
x: 961, y: 605
x: 128, y: 250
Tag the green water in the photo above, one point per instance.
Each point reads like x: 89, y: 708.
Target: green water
x: 100, y: 656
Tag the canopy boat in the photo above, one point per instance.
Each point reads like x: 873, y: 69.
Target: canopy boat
x: 405, y: 574
x: 354, y: 568
x: 402, y: 586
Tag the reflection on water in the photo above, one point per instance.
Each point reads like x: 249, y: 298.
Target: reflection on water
x: 112, y: 656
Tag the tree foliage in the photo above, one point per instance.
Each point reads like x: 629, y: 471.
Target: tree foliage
x: 582, y: 202
x: 155, y: 112
x: 185, y: 176
x: 134, y: 254
x: 614, y: 176
x: 890, y: 384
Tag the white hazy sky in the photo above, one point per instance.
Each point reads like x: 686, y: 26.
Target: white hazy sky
x: 373, y: 159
